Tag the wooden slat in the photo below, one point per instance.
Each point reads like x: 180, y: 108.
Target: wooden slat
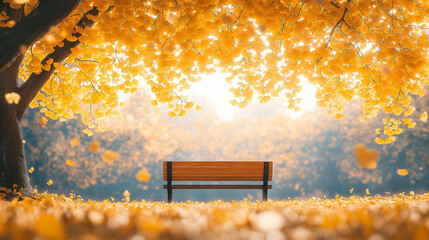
x: 218, y: 174
x: 177, y: 186
x: 218, y: 178
x: 217, y: 163
x: 218, y: 169
x: 241, y: 174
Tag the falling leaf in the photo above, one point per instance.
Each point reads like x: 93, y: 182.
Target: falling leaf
x: 74, y: 142
x: 424, y: 117
x: 31, y: 170
x: 50, y: 182
x: 93, y: 146
x: 154, y: 102
x: 172, y: 114
x: 365, y: 157
x: 126, y: 193
x: 339, y: 116
x: 296, y: 187
x: 367, y: 191
x: 70, y: 163
x: 143, y: 176
x: 43, y: 122
x: 402, y: 172
x: 198, y: 108
x: 12, y: 98
x: 109, y: 156
x: 351, y: 190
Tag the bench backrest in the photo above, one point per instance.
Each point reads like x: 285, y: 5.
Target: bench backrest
x: 217, y: 170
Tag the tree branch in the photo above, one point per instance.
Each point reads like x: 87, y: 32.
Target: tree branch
x: 32, y: 27
x: 29, y: 89
x: 342, y: 20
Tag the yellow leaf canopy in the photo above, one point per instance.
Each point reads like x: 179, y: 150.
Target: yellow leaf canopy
x: 372, y: 50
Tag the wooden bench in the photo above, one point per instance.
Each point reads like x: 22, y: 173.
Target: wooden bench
x: 217, y: 171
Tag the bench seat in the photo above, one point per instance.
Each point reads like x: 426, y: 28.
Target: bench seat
x: 218, y: 171
x: 216, y: 186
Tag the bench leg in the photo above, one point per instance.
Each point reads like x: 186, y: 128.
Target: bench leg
x: 264, y: 194
x: 170, y: 195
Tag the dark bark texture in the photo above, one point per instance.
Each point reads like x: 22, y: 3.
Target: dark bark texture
x: 31, y: 28
x: 28, y: 29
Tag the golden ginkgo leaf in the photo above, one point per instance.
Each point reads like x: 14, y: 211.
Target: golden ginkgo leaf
x: 365, y: 157
x: 143, y: 176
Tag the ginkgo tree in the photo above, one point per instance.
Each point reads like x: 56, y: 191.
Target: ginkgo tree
x: 79, y: 56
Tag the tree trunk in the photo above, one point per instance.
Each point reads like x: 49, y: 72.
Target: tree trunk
x: 13, y: 169
x: 30, y: 28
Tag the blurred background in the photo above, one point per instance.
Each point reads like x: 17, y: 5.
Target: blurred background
x: 314, y: 155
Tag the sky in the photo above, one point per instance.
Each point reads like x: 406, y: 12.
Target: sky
x: 214, y: 92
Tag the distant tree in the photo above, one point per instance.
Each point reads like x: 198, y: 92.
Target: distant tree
x: 373, y: 50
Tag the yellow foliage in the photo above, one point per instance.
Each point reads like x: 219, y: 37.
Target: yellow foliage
x: 263, y: 54
x: 49, y: 227
x: 182, y: 113
x: 379, y: 140
x: 265, y: 99
x: 189, y: 105
x: 151, y: 220
x: 411, y: 124
x: 87, y: 132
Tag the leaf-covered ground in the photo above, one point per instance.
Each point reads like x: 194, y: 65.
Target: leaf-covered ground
x: 50, y: 216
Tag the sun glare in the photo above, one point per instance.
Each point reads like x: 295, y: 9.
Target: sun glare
x: 213, y: 91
